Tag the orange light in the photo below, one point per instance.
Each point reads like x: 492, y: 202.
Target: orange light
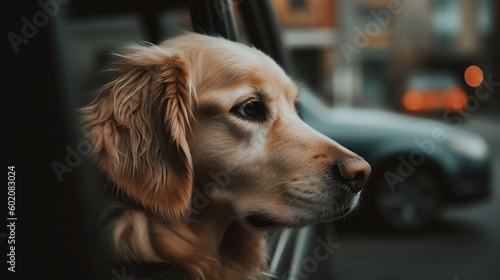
x: 473, y: 76
x: 456, y: 99
x: 412, y: 101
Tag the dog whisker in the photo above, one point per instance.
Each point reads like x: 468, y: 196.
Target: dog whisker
x: 290, y: 203
x: 276, y: 196
x: 272, y: 186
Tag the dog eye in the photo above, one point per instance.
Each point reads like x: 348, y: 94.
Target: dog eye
x: 250, y: 109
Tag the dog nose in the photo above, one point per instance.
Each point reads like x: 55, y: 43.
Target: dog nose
x: 355, y: 172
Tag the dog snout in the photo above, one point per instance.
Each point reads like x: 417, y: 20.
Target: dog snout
x: 354, y: 172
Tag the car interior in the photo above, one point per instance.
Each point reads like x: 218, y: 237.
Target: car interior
x: 85, y: 34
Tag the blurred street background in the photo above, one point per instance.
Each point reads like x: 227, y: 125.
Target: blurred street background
x: 435, y: 60
x: 368, y: 52
x: 464, y: 243
x: 371, y: 53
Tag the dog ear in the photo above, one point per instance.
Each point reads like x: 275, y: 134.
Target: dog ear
x: 138, y: 124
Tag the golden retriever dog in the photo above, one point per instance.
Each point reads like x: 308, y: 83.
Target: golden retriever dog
x: 202, y: 139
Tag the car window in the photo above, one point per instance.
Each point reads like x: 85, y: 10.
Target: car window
x: 432, y: 81
x: 88, y: 41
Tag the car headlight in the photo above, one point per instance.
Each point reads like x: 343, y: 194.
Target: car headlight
x: 469, y: 146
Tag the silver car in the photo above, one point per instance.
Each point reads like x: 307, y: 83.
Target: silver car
x: 418, y: 165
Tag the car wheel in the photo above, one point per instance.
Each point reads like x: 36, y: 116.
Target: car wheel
x: 408, y: 205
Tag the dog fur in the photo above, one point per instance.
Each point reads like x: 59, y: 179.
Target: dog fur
x: 202, y: 138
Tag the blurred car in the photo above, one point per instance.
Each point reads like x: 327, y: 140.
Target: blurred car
x: 418, y: 165
x: 428, y: 91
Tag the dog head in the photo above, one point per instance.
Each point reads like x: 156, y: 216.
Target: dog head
x: 201, y: 121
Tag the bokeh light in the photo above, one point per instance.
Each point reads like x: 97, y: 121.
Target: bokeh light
x: 473, y: 76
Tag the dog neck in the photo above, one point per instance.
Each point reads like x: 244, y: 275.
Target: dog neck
x: 239, y: 249
x: 213, y: 245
